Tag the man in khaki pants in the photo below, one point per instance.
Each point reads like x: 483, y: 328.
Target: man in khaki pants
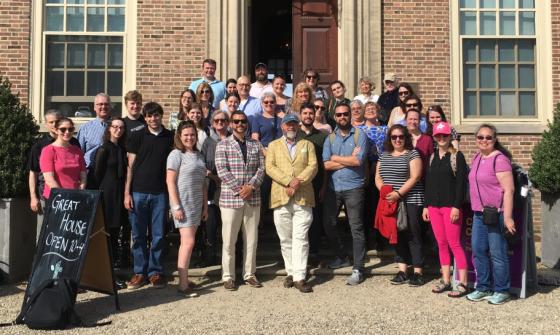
x: 240, y: 166
x: 292, y: 164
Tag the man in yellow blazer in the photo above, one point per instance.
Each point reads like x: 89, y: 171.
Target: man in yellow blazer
x: 292, y: 164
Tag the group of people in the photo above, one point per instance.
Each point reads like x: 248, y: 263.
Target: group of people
x: 235, y: 150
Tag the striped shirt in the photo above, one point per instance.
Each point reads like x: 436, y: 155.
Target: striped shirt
x: 394, y: 171
x: 90, y: 137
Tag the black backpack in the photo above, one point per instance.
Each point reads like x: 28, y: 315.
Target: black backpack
x: 51, y: 306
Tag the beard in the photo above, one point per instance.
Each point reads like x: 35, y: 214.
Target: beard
x: 261, y: 77
x: 345, y: 126
x: 291, y: 135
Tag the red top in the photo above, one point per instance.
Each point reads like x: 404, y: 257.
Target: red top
x: 66, y: 164
x: 425, y: 147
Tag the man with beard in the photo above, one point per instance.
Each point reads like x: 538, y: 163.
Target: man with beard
x: 389, y: 99
x: 262, y: 84
x: 291, y: 164
x: 344, y: 154
x: 317, y: 137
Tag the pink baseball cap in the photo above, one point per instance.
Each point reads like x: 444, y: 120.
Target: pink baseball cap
x: 441, y: 128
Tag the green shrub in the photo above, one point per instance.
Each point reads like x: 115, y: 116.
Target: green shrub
x: 545, y: 170
x: 18, y: 131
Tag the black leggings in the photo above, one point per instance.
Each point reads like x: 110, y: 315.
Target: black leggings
x: 409, y: 242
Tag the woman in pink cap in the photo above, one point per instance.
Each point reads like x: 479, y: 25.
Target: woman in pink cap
x: 446, y: 184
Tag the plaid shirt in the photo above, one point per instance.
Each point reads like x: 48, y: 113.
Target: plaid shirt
x: 235, y: 173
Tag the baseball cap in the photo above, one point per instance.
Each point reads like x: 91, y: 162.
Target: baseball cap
x: 261, y: 64
x: 390, y: 77
x: 441, y: 128
x: 290, y: 118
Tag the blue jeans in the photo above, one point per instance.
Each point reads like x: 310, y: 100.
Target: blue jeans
x: 149, y: 209
x: 353, y: 200
x: 490, y: 251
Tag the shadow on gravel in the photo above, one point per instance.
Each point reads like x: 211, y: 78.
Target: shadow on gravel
x: 10, y: 289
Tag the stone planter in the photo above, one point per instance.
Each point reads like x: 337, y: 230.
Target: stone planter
x: 550, y: 205
x: 18, y: 225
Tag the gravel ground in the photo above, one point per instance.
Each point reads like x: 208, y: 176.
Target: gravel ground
x: 374, y: 307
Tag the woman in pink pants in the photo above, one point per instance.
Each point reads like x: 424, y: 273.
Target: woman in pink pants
x: 446, y: 183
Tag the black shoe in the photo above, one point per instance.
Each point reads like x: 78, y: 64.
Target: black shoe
x: 399, y: 279
x: 288, y: 282
x: 416, y: 279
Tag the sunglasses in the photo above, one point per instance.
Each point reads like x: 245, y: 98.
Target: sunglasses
x: 268, y: 102
x: 117, y: 127
x: 441, y: 135
x: 397, y: 137
x: 205, y: 91
x: 239, y: 121
x: 482, y: 138
x: 342, y: 114
x: 320, y: 107
x: 219, y: 120
x: 403, y: 93
x: 64, y: 129
x: 311, y: 77
x: 412, y: 105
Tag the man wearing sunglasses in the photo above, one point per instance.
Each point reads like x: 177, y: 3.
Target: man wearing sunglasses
x: 240, y: 166
x: 208, y: 76
x: 344, y: 155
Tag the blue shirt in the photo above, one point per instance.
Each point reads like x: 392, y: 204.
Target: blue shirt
x: 251, y: 106
x: 376, y: 138
x: 268, y: 129
x: 218, y: 88
x: 423, y: 126
x: 347, y: 178
x: 90, y: 137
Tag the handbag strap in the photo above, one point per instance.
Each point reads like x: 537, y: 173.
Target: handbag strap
x: 476, y: 175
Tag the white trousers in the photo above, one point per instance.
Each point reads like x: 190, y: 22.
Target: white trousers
x: 292, y: 223
x: 233, y: 219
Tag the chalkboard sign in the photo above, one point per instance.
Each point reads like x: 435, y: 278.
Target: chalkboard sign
x: 74, y: 243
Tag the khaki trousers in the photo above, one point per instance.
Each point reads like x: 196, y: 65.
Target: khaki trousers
x: 247, y: 218
x: 292, y: 223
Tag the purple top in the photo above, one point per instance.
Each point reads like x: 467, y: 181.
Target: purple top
x: 483, y: 171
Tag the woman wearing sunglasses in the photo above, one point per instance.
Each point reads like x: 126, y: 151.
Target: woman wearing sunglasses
x: 400, y: 167
x: 320, y: 120
x: 491, y: 191
x: 63, y: 164
x: 397, y: 114
x: 110, y: 174
x: 311, y: 78
x: 218, y: 131
x: 446, y: 183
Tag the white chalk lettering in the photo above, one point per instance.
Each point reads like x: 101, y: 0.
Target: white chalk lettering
x: 77, y: 227
x: 59, y: 204
x: 58, y: 242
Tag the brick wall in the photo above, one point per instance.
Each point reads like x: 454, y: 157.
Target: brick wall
x: 171, y: 46
x: 416, y: 46
x: 15, y: 27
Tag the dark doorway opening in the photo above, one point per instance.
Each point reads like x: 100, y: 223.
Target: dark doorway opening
x: 271, y: 37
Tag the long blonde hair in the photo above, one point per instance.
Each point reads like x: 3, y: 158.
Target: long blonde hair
x: 296, y: 104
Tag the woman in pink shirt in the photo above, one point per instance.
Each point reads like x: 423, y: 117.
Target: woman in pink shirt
x: 491, y: 192
x: 63, y: 164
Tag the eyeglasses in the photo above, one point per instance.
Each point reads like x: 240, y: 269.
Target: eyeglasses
x: 219, y: 120
x: 311, y: 77
x: 64, y: 129
x: 441, y: 135
x: 239, y: 121
x: 243, y: 85
x: 397, y: 137
x: 342, y: 114
x: 482, y: 138
x: 320, y: 107
x: 268, y: 102
x: 117, y: 127
x: 205, y: 91
x: 412, y: 105
x: 403, y: 93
